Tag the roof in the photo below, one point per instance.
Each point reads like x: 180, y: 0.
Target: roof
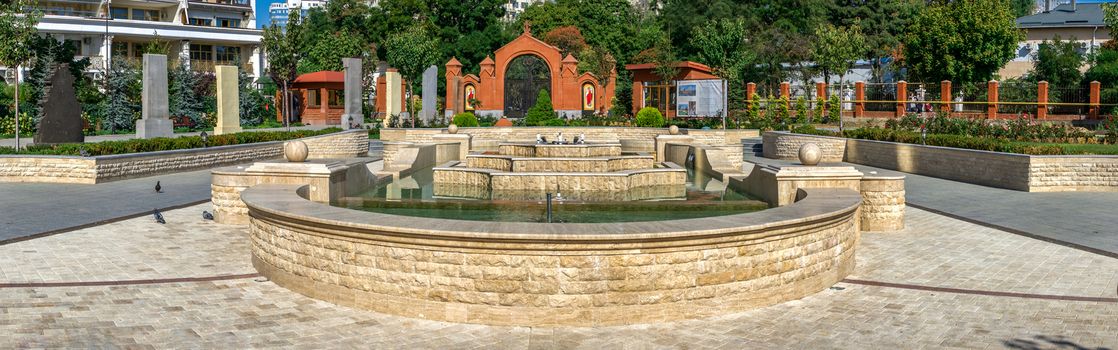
x: 1084, y: 15
x: 326, y: 76
x: 683, y: 64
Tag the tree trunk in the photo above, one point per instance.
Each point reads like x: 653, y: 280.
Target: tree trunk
x: 407, y: 100
x: 17, y: 107
x: 286, y: 105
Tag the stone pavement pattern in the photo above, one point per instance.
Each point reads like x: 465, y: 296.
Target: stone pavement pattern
x: 1082, y: 218
x: 27, y: 208
x: 251, y: 312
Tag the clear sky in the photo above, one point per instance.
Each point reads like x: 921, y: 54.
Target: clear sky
x: 262, y: 17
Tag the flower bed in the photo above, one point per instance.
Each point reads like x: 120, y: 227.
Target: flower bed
x: 164, y: 144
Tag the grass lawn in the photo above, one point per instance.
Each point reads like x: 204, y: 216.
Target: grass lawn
x: 1076, y: 148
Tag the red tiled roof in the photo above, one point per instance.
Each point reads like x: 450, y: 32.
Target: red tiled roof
x: 325, y: 76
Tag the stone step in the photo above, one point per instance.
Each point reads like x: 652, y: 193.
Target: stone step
x: 752, y: 144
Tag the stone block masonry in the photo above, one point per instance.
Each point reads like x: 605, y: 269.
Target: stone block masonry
x: 524, y: 274
x: 784, y: 145
x: 91, y: 170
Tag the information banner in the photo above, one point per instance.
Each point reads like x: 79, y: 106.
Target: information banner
x: 700, y: 98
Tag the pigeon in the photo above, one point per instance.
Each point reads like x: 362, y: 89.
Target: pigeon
x: 206, y: 215
x: 83, y: 152
x: 158, y: 187
x: 158, y: 216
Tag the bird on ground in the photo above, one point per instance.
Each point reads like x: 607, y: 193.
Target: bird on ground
x: 158, y: 187
x: 206, y: 215
x: 83, y: 152
x: 158, y: 216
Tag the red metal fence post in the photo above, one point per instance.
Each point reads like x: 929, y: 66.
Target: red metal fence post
x: 992, y: 99
x: 902, y: 98
x: 1042, y: 100
x: 859, y: 99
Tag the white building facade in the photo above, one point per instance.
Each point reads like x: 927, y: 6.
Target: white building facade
x: 200, y: 33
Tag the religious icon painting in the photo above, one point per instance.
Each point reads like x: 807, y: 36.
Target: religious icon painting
x: 587, y: 97
x: 471, y: 96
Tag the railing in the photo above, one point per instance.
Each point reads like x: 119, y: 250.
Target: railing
x: 1008, y: 100
x: 225, y: 2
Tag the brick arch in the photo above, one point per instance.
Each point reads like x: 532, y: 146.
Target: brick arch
x: 566, y: 83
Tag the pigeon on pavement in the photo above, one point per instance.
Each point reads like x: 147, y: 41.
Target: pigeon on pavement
x: 206, y: 215
x: 158, y: 216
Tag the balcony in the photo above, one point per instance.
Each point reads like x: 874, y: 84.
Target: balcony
x: 240, y: 3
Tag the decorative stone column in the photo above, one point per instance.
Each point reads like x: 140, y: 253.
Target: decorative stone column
x: 883, y: 203
x: 750, y: 91
x: 155, y: 121
x: 453, y: 84
x: 1093, y: 113
x: 228, y: 101
x: 353, y: 114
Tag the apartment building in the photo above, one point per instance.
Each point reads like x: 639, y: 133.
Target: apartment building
x: 200, y: 33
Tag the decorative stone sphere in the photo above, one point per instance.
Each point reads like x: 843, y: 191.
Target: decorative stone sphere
x: 453, y: 129
x: 295, y: 151
x: 674, y: 130
x: 810, y: 154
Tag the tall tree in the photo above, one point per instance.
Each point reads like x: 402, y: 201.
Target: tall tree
x: 412, y: 51
x: 17, y: 26
x: 1058, y: 61
x: 282, y: 46
x: 961, y: 40
x: 836, y: 49
x: 882, y: 21
x: 724, y: 46
x: 1022, y: 8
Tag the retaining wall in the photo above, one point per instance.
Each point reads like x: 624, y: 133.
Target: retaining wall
x: 98, y: 169
x: 528, y: 274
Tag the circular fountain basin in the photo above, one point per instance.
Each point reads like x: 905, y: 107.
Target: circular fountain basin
x: 538, y: 274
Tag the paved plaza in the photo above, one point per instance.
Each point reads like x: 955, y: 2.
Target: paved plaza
x: 940, y: 283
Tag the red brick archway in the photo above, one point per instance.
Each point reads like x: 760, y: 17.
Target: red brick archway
x: 566, y: 83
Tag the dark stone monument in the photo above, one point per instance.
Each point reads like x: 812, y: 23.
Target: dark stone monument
x: 62, y: 115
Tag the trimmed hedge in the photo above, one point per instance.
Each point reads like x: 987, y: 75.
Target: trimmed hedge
x: 650, y: 117
x: 955, y: 141
x: 165, y: 143
x: 465, y: 119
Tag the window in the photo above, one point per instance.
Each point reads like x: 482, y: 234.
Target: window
x: 119, y: 13
x: 138, y: 50
x: 312, y: 98
x: 227, y: 54
x: 337, y: 98
x: 145, y: 15
x: 229, y: 22
x: 77, y: 45
x: 205, y: 22
x: 201, y: 52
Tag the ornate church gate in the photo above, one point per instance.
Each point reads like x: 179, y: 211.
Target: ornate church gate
x: 525, y: 77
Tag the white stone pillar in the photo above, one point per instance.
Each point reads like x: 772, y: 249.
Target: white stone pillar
x: 156, y: 120
x: 228, y: 101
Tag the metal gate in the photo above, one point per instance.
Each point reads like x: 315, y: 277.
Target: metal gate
x: 524, y: 78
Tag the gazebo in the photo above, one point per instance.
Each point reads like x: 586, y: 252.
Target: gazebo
x: 694, y: 91
x: 322, y: 95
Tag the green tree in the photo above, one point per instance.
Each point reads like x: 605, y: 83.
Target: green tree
x: 882, y: 21
x: 17, y: 27
x: 282, y: 47
x: 1058, y: 61
x: 251, y: 101
x: 122, y: 96
x: 542, y: 113
x: 962, y: 41
x: 326, y: 53
x: 836, y: 49
x: 181, y: 99
x: 1022, y: 8
x: 412, y: 51
x: 724, y: 46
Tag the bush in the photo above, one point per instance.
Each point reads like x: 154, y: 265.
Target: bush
x: 465, y: 119
x: 955, y: 141
x: 542, y: 113
x: 650, y: 117
x: 165, y: 144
